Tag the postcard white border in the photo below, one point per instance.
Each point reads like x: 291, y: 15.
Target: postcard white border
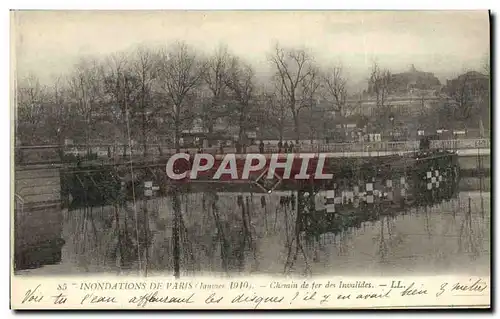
x: 100, y: 4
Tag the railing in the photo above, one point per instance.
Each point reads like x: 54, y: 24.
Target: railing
x: 461, y: 144
x: 48, y: 154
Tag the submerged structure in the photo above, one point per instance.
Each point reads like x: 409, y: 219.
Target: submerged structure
x: 38, y: 218
x: 357, y: 189
x: 361, y: 188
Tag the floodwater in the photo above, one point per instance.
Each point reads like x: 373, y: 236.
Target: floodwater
x: 216, y: 240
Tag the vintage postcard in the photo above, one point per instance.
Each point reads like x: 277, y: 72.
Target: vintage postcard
x: 250, y: 159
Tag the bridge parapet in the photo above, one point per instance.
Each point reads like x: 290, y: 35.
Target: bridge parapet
x: 461, y: 144
x: 49, y: 154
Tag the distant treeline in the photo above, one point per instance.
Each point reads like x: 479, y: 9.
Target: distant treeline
x: 151, y: 95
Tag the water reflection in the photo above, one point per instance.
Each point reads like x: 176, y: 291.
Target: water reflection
x: 227, y: 234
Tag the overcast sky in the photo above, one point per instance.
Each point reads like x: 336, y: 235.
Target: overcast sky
x: 49, y: 42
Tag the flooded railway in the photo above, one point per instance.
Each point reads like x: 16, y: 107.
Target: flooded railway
x: 443, y: 237
x: 375, y: 221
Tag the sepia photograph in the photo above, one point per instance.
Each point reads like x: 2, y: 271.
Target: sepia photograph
x: 241, y: 144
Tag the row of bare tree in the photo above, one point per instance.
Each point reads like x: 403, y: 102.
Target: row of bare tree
x: 151, y: 92
x: 141, y: 90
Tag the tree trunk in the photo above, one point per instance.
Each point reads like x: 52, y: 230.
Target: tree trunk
x: 175, y: 233
x: 241, y: 134
x: 210, y: 133
x: 144, y: 137
x: 61, y: 147
x: 87, y: 135
x: 296, y: 127
x: 312, y: 130
x: 143, y: 106
x: 211, y: 119
x: 177, y: 136
x: 177, y: 128
x: 241, y: 138
x: 125, y: 139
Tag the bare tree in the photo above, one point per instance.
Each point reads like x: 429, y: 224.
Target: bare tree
x: 180, y: 74
x: 380, y: 84
x: 121, y: 88
x: 485, y: 65
x: 58, y: 114
x: 215, y: 78
x: 85, y: 92
x: 334, y: 90
x: 143, y: 65
x: 276, y: 110
x: 468, y: 93
x: 31, y: 97
x: 299, y: 76
x: 240, y: 80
